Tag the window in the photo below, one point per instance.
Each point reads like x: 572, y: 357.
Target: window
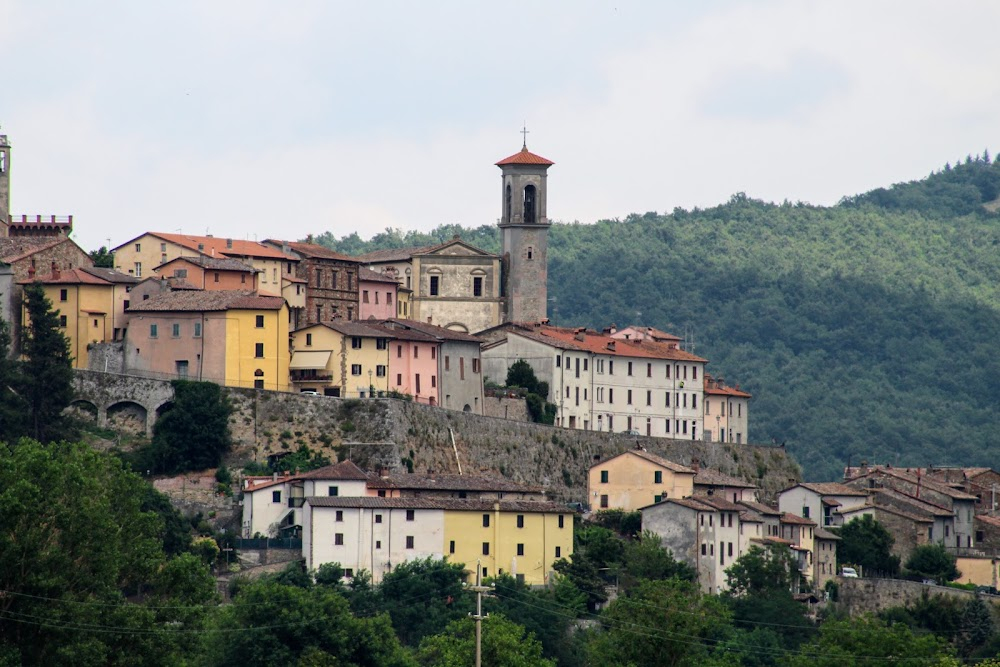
x: 399, y: 351
x: 629, y: 369
x: 649, y: 370
x: 434, y: 353
x: 604, y: 502
x: 138, y: 247
x: 611, y: 366
x: 333, y: 491
x: 340, y: 515
x: 338, y: 539
x: 486, y: 548
x: 477, y: 286
x: 378, y: 518
x: 433, y: 381
x: 416, y: 351
x: 152, y: 331
x: 364, y: 296
x: 805, y: 512
x: 62, y: 321
x: 451, y: 547
x: 259, y: 321
x: 175, y: 330
x: 435, y: 285
x: 216, y: 276
x: 520, y: 549
x: 694, y: 400
x: 181, y: 366
x: 629, y: 397
x: 258, y: 350
x: 399, y: 379
x: 558, y: 361
x: 611, y: 399
x: 197, y: 329
x: 668, y: 399
x: 657, y: 477
x: 486, y: 521
x: 410, y: 515
x: 520, y: 521
x: 63, y: 295
x: 649, y: 397
x: 708, y: 407
x: 276, y: 496
x: 355, y: 369
x: 355, y: 342
x: 562, y: 521
x: 558, y: 553
x: 388, y: 298
x: 380, y: 371
x: 604, y: 477
x: 381, y: 344
x: 694, y: 376
x: 258, y: 384
x: 409, y: 541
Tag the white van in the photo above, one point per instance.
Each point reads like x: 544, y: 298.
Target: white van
x: 849, y: 573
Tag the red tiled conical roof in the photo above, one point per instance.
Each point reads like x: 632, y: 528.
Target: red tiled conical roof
x: 524, y: 157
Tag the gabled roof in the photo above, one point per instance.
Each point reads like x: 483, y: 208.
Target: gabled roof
x: 216, y: 246
x: 715, y: 387
x: 67, y: 277
x: 442, y: 333
x: 110, y: 275
x: 346, y: 470
x: 351, y: 328
x: 916, y: 479
x: 749, y: 516
x: 213, y: 263
x: 449, y: 482
x: 311, y: 250
x: 652, y: 458
x: 688, y: 503
x: 761, y: 508
x: 789, y: 518
x: 823, y: 534
x: 210, y: 300
x: 367, y: 275
x: 989, y: 520
x: 588, y: 340
x: 403, y: 254
x: 524, y: 156
x: 452, y: 504
x: 829, y: 489
x: 709, y: 477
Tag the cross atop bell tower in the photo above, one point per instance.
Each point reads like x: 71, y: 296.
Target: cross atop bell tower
x: 524, y: 227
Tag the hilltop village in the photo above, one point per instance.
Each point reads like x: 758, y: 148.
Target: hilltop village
x: 447, y: 326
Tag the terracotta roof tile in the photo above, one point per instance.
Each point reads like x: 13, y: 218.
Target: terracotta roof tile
x: 214, y: 263
x: 367, y: 275
x: 524, y: 156
x: 111, y: 275
x: 341, y: 470
x: 211, y: 300
x: 67, y: 277
x: 454, y: 504
x: 652, y: 458
x: 430, y: 329
x: 789, y: 518
x: 312, y: 250
x: 220, y: 247
x: 588, y: 340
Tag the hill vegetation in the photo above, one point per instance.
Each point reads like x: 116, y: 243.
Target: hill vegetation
x: 865, y: 330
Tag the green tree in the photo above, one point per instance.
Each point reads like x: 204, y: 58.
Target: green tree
x: 194, y: 434
x: 74, y: 540
x: 175, y: 532
x: 932, y: 561
x: 976, y: 626
x: 867, y: 641
x: 47, y: 371
x: 866, y: 542
x: 103, y: 258
x: 422, y: 597
x: 645, y: 558
x: 660, y: 624
x: 521, y: 374
x: 547, y: 613
x: 504, y: 644
x: 269, y: 623
x: 12, y: 405
x: 761, y: 571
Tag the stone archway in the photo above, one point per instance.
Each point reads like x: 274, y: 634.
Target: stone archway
x: 83, y: 410
x: 128, y: 417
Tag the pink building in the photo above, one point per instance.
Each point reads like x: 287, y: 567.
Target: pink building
x: 210, y: 273
x: 413, y: 365
x: 377, y: 294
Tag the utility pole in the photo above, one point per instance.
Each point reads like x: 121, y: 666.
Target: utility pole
x: 479, y: 589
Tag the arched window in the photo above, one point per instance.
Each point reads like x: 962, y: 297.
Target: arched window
x: 529, y: 203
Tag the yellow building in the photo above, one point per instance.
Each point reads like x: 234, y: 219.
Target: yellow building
x: 232, y: 337
x: 341, y: 358
x: 91, y: 306
x: 635, y: 479
x: 519, y: 538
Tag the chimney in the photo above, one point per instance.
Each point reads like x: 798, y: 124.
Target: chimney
x: 55, y: 273
x: 579, y: 336
x: 274, y: 476
x: 430, y: 320
x: 611, y: 345
x: 229, y: 244
x: 544, y: 321
x: 695, y: 465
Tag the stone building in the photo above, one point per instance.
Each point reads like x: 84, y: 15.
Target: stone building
x: 454, y: 285
x: 524, y: 230
x: 331, y: 282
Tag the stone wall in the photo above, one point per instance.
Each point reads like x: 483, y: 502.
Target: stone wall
x: 858, y: 596
x: 401, y: 434
x: 506, y: 408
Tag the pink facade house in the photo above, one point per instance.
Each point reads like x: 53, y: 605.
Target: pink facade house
x: 377, y: 295
x: 210, y: 273
x: 413, y: 365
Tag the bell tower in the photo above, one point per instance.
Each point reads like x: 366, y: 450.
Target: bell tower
x: 524, y: 230
x: 4, y: 184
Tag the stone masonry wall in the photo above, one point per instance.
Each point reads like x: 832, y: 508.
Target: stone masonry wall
x: 858, y: 596
x: 505, y: 408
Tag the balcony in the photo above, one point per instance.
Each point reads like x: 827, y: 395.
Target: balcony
x: 307, y: 376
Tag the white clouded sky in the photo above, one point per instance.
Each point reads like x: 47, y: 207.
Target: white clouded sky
x: 256, y: 119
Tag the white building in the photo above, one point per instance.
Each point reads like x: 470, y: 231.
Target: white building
x: 821, y: 502
x: 602, y: 383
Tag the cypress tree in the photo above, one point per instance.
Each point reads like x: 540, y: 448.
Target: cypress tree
x: 47, y: 374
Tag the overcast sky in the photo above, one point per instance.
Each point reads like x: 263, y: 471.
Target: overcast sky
x: 254, y: 119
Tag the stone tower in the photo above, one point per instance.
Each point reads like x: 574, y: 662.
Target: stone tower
x: 524, y: 230
x: 4, y: 184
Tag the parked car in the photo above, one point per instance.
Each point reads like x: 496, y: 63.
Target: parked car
x: 848, y: 573
x: 632, y: 432
x: 309, y: 392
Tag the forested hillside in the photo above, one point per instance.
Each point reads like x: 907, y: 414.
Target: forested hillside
x: 867, y: 330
